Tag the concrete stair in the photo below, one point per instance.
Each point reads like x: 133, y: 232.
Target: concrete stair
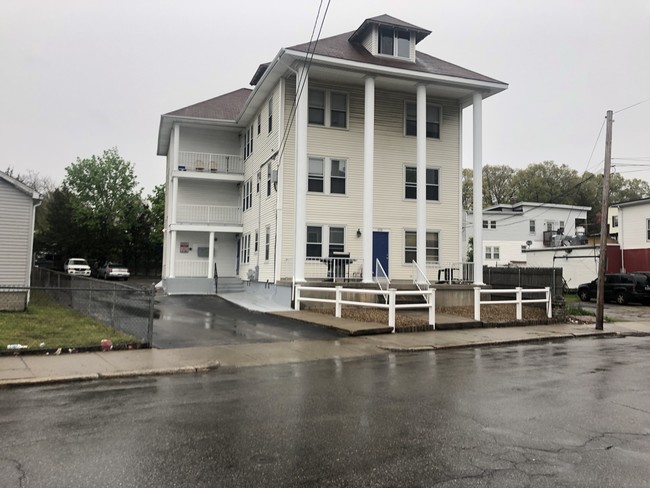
x: 230, y: 284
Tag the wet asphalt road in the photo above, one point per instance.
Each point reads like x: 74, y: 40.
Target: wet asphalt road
x: 566, y: 414
x: 192, y: 321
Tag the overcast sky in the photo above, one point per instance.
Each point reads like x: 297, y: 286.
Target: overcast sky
x: 82, y: 76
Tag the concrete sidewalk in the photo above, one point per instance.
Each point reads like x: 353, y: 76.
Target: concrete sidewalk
x: 21, y: 370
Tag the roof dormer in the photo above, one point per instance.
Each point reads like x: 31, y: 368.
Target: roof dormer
x: 386, y: 36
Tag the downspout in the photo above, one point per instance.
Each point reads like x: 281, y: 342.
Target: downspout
x: 30, y: 263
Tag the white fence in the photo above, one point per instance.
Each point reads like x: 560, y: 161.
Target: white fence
x: 518, y: 301
x: 208, y: 214
x: 391, y: 305
x: 210, y: 163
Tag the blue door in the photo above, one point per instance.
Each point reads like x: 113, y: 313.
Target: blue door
x: 380, y: 250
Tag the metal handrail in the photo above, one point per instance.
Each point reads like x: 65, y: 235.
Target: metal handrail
x: 420, y: 277
x: 216, y: 278
x: 382, y: 275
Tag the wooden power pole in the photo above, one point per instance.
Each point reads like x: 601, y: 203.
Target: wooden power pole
x: 602, y: 261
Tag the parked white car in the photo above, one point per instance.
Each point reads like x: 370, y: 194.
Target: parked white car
x: 111, y: 269
x: 76, y: 266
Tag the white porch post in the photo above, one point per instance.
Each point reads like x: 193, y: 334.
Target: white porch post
x: 211, y: 256
x: 421, y: 154
x: 172, y: 255
x: 477, y: 204
x: 174, y: 195
x: 368, y: 177
x: 302, y: 111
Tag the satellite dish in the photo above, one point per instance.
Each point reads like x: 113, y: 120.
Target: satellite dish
x: 529, y: 243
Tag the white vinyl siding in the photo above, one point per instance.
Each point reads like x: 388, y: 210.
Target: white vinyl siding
x: 392, y: 213
x: 16, y: 211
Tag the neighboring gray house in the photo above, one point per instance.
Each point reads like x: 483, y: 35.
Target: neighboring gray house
x: 18, y: 204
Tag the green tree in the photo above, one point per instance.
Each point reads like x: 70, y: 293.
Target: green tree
x: 105, y: 204
x: 497, y: 185
x: 157, y: 202
x: 468, y: 189
x: 545, y: 183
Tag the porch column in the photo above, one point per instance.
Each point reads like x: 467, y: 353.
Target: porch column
x: 172, y: 254
x: 421, y: 155
x: 302, y: 112
x: 174, y: 195
x: 368, y: 177
x: 177, y: 147
x: 211, y: 256
x: 477, y: 205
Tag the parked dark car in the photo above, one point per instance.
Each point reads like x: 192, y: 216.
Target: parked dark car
x: 620, y: 288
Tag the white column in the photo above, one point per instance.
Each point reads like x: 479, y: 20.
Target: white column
x: 421, y: 154
x: 368, y: 177
x: 477, y: 205
x: 302, y: 111
x: 174, y: 196
x: 211, y: 256
x: 177, y: 146
x: 172, y: 255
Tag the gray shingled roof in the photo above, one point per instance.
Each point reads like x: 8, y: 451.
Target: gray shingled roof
x: 224, y: 107
x: 340, y: 47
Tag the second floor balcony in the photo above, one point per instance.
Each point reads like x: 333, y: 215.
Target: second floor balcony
x: 208, y: 215
x: 210, y: 162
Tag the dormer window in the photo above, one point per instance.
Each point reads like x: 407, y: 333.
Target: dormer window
x: 394, y: 42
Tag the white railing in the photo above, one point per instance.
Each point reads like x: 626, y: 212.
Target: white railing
x: 459, y: 272
x: 382, y: 280
x: 210, y: 163
x: 208, y: 214
x: 191, y: 269
x: 333, y: 269
x: 391, y: 304
x: 518, y: 301
x: 419, y: 277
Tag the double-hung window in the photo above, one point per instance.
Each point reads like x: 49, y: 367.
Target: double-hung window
x: 327, y: 175
x: 394, y: 42
x: 337, y: 240
x: 433, y: 120
x: 245, y: 248
x: 247, y: 194
x: 315, y: 176
x: 647, y: 225
x: 269, y: 174
x: 248, y: 142
x: 267, y: 243
x: 411, y: 187
x: 411, y: 249
x: 270, y: 114
x: 257, y: 241
x: 531, y: 227
x: 317, y: 107
x: 328, y: 108
x: 492, y: 252
x: 259, y: 124
x: 314, y: 241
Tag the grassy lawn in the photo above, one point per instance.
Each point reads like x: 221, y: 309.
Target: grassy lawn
x: 45, y: 321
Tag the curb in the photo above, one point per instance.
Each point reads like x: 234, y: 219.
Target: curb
x: 107, y: 376
x: 500, y: 342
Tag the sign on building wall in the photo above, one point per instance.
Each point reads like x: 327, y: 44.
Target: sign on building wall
x: 185, y: 247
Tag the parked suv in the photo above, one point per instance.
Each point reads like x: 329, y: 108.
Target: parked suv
x: 619, y: 287
x: 77, y: 266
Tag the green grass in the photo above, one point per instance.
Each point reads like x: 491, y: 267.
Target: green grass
x: 45, y: 321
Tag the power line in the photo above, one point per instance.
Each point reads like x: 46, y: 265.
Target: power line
x: 309, y: 56
x: 595, y: 144
x: 638, y: 103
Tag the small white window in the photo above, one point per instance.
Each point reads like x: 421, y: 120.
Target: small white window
x: 531, y: 227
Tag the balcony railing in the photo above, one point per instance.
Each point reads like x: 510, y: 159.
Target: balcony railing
x: 191, y: 269
x: 208, y: 214
x: 210, y: 163
x: 326, y: 269
x: 461, y: 272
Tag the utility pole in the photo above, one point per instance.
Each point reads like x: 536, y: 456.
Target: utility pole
x: 602, y: 261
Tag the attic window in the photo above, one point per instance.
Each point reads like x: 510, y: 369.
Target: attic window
x: 394, y: 42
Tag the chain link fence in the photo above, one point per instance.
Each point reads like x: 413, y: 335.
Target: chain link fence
x: 125, y: 308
